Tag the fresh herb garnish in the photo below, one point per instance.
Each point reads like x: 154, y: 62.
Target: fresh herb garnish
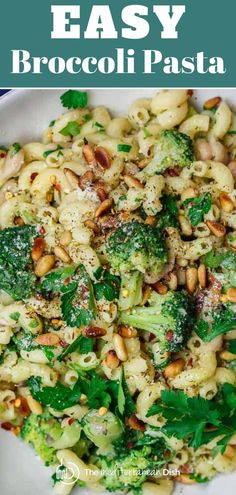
x: 27, y: 343
x: 231, y: 346
x: 74, y: 99
x: 126, y: 404
x: 71, y: 129
x: 231, y: 132
x: 125, y: 148
x: 51, y: 124
x: 14, y: 148
x: 220, y: 322
x: 168, y: 216
x: 82, y: 343
x: 58, y: 397
x: 48, y: 152
x: 108, y: 285
x: 197, y: 208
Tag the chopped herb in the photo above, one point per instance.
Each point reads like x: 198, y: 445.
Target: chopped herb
x: 231, y: 132
x: 51, y: 124
x: 84, y: 345
x: 99, y: 126
x: 15, y: 316
x: 97, y: 391
x: 221, y: 258
x: 197, y: 207
x: 74, y: 99
x: 108, y: 285
x: 26, y: 342
x: 87, y: 117
x: 146, y: 133
x: 58, y: 397
x: 71, y: 129
x: 231, y: 346
x: 198, y: 478
x: 126, y: 404
x: 168, y: 216
x: 48, y: 152
x: 14, y: 148
x: 125, y: 148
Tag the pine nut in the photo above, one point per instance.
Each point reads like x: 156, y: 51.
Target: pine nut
x: 112, y: 361
x: 174, y: 369
x: 212, y: 103
x: 127, y: 332
x: 133, y: 182
x: 62, y: 254
x: 136, y: 423
x: 103, y: 208
x: 72, y: 178
x: 90, y: 224
x: 120, y: 347
x: 151, y: 221
x: 17, y: 402
x: 202, y: 276
x: 88, y: 154
x: 231, y: 295
x: 216, y: 228
x: 34, y: 405
x: 188, y: 193
x: 146, y: 294
x: 185, y: 225
x: 102, y: 411
x: 101, y: 193
x: 191, y: 279
x: 38, y: 248
x: 173, y: 281
x: 93, y: 332
x: 66, y: 238
x: 160, y: 288
x: 19, y: 221
x: 229, y: 452
x: 86, y: 180
x: 226, y: 202
x: 102, y: 157
x: 185, y: 478
x: 49, y: 339
x: 227, y: 356
x: 44, y: 265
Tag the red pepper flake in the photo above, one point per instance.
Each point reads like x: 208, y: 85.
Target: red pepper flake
x: 2, y: 154
x: 33, y: 176
x: 6, y: 426
x: 42, y: 230
x: 130, y: 445
x: 174, y: 171
x: 57, y: 187
x: 63, y: 343
x: 71, y: 421
x: 190, y: 92
x: 170, y: 335
x: 66, y: 281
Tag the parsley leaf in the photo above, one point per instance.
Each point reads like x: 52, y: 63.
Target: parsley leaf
x: 213, y: 259
x: 108, y: 285
x: 197, y: 207
x: 14, y: 149
x: 220, y: 321
x: 168, y: 216
x: 71, y: 129
x: 57, y: 280
x: 85, y: 345
x: 231, y: 346
x: 97, y: 391
x: 16, y: 275
x: 58, y: 397
x: 74, y: 99
x: 48, y: 152
x: 126, y: 404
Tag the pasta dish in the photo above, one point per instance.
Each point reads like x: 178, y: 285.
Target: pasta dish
x: 118, y: 293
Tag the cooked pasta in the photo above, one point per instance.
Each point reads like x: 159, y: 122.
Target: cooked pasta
x: 118, y: 294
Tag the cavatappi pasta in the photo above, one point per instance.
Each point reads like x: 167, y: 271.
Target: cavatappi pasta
x: 118, y: 293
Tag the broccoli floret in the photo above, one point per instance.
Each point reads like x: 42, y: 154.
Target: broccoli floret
x: 168, y: 316
x: 41, y: 431
x: 125, y: 473
x: 131, y: 290
x: 172, y: 149
x: 137, y: 246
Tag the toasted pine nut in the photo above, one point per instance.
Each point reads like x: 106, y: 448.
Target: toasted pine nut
x: 102, y: 411
x: 103, y: 208
x: 160, y: 288
x: 216, y: 228
x: 34, y: 405
x: 92, y: 225
x: 127, y: 332
x: 101, y: 193
x: 93, y: 332
x: 151, y: 221
x: 112, y: 361
x: 229, y: 452
x: 202, y: 276
x: 212, y: 103
x: 44, y: 265
x: 66, y: 238
x: 49, y: 338
x: 174, y: 369
x: 143, y: 163
x: 120, y: 347
x: 72, y: 178
x: 185, y: 478
x: 231, y: 295
x: 227, y: 356
x: 188, y: 193
x: 19, y: 221
x: 56, y: 322
x: 191, y: 279
x: 185, y: 225
x: 38, y: 248
x: 88, y: 154
x: 102, y: 157
x: 17, y: 402
x: 62, y: 254
x: 49, y: 197
x: 173, y: 281
x: 146, y: 294
x: 86, y: 180
x: 203, y: 150
x: 226, y: 202
x: 133, y: 182
x: 136, y: 423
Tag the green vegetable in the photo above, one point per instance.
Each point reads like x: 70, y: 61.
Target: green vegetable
x: 48, y: 152
x: 231, y: 132
x: 16, y: 275
x: 125, y: 148
x: 169, y: 317
x: 187, y: 417
x: 51, y: 124
x: 137, y: 246
x: 197, y: 207
x: 58, y: 397
x: 231, y: 346
x: 101, y: 430
x: 216, y: 322
x: 168, y: 216
x: 84, y: 345
x: 172, y: 149
x: 108, y: 285
x: 40, y: 431
x: 131, y: 290
x: 71, y: 129
x: 26, y: 342
x: 14, y: 148
x: 74, y: 99
x: 97, y: 391
x: 126, y: 405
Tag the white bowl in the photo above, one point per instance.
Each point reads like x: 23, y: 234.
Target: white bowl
x: 23, y: 116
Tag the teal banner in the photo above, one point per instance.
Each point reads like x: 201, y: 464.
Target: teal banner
x: 72, y: 43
